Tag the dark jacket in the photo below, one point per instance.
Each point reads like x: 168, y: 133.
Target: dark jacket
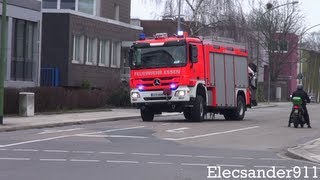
x: 303, y: 95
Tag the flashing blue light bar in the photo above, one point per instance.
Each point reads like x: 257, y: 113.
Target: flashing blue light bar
x: 142, y: 36
x: 140, y: 87
x: 173, y: 86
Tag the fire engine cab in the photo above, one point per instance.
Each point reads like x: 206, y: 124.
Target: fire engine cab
x: 189, y: 75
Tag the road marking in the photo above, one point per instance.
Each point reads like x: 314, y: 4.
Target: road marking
x: 230, y: 165
x: 210, y: 157
x: 272, y: 159
x: 83, y: 152
x: 146, y: 154
x: 56, y: 151
x: 55, y: 160
x: 178, y: 130
x: 193, y: 164
x: 126, y: 162
x: 26, y: 150
x: 59, y: 131
x: 16, y: 159
x: 211, y: 134
x: 112, y: 130
x: 246, y: 158
x: 118, y: 153
x: 65, y: 136
x: 3, y: 149
x: 84, y: 160
x: 160, y: 163
x: 177, y: 155
x: 114, y: 136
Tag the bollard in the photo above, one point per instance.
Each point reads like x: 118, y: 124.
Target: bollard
x: 26, y: 104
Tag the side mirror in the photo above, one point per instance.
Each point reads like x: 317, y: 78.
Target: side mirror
x: 193, y: 53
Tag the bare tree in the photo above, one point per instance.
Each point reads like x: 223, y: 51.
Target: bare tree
x: 312, y: 41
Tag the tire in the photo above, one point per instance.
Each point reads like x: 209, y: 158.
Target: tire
x: 147, y: 114
x: 241, y: 108
x: 187, y: 114
x: 197, y: 111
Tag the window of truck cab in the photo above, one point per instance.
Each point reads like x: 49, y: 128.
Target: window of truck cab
x: 166, y: 55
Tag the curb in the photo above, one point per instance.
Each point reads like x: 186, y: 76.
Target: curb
x: 60, y: 124
x: 300, y: 152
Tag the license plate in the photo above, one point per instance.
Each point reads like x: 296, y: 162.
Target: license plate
x: 156, y: 94
x: 296, y: 111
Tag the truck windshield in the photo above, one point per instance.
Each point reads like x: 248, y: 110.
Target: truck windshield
x: 160, y: 56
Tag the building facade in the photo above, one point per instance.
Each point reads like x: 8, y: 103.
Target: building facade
x: 23, y: 43
x: 87, y: 40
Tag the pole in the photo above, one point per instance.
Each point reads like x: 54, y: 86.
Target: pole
x: 3, y: 55
x: 179, y: 16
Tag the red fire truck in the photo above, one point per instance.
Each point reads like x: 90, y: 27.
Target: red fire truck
x: 189, y: 75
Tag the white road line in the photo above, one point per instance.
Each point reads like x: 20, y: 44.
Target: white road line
x: 59, y: 131
x: 230, y: 165
x: 245, y: 158
x: 117, y: 153
x: 178, y: 130
x: 65, y: 136
x: 55, y: 160
x: 16, y: 159
x: 211, y: 134
x: 210, y: 157
x: 160, y: 163
x: 114, y: 136
x: 55, y: 151
x: 272, y: 159
x: 125, y: 162
x: 112, y: 130
x: 84, y: 160
x: 146, y: 154
x: 84, y: 152
x: 193, y: 164
x: 26, y: 150
x: 177, y: 155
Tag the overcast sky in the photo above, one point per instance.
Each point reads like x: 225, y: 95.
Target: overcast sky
x: 144, y: 9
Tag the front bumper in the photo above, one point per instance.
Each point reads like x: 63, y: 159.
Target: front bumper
x: 181, y: 94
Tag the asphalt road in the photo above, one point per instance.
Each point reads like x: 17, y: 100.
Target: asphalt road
x: 167, y: 149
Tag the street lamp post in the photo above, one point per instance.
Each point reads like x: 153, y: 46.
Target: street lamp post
x: 269, y: 8
x: 3, y: 55
x: 179, y: 16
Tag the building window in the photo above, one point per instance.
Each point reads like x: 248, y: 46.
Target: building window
x: 92, y: 51
x: 87, y: 6
x: 78, y: 49
x: 68, y: 4
x: 116, y: 12
x: 116, y: 54
x: 283, y: 46
x: 50, y: 4
x: 104, y: 53
x: 23, y: 50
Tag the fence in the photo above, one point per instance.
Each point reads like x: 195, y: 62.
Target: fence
x: 50, y: 77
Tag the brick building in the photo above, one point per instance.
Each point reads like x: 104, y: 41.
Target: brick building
x: 87, y: 40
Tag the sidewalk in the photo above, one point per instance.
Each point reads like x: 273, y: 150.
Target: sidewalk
x: 309, y: 151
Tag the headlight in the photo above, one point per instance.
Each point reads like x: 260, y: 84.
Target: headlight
x: 135, y: 96
x: 180, y: 93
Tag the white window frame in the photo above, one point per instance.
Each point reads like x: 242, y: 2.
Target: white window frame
x: 107, y: 53
x: 115, y: 44
x: 81, y: 41
x: 92, y: 61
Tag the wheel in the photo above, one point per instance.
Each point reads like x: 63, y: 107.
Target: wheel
x: 187, y: 113
x: 295, y: 122
x: 197, y: 111
x: 241, y: 106
x: 146, y: 114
